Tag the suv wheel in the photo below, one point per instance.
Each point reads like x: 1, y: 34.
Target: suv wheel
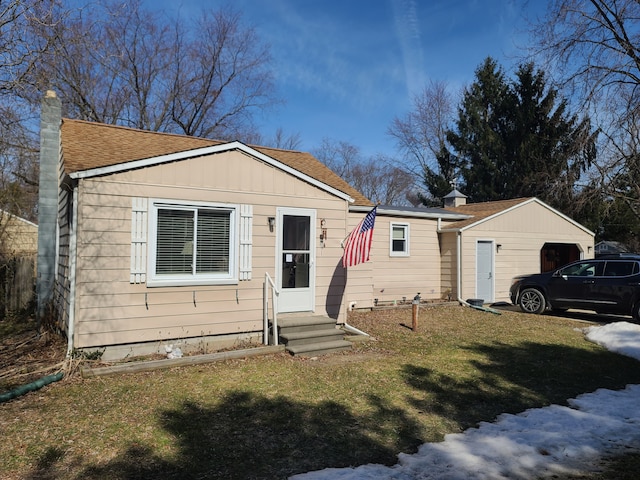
x: 532, y: 301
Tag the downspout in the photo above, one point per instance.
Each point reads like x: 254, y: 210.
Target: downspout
x: 73, y: 247
x: 351, y: 328
x: 459, y: 268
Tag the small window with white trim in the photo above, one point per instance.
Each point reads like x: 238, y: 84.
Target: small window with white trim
x: 399, y: 240
x: 192, y: 244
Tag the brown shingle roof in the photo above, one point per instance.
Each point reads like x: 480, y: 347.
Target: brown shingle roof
x: 88, y: 145
x: 483, y: 210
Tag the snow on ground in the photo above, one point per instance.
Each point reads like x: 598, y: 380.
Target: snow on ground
x: 535, y: 443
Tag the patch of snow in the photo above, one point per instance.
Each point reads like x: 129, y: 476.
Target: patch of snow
x: 536, y: 443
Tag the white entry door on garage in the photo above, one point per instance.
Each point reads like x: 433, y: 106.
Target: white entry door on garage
x: 484, y: 270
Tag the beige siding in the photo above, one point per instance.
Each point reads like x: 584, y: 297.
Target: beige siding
x: 17, y: 236
x: 111, y: 310
x: 449, y: 275
x: 521, y: 234
x: 394, y: 278
x: 359, y: 291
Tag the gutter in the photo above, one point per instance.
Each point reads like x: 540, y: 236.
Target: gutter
x: 73, y: 247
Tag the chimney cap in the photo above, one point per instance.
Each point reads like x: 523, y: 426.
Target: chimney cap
x: 50, y: 94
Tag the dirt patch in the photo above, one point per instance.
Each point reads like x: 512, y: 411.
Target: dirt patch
x: 339, y: 358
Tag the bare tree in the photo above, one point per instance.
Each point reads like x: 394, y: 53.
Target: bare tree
x: 19, y: 57
x: 284, y: 141
x: 382, y: 182
x: 421, y: 135
x: 378, y: 178
x: 225, y: 77
x: 339, y: 156
x: 592, y: 44
x: 18, y: 52
x: 592, y: 48
x: 120, y: 63
x: 280, y: 139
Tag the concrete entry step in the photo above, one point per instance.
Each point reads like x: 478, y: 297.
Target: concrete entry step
x: 311, y: 335
x: 314, y: 336
x: 321, y: 348
x: 300, y: 323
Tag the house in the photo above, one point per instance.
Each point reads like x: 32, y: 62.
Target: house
x: 462, y: 251
x: 147, y: 239
x: 157, y: 237
x: 607, y: 247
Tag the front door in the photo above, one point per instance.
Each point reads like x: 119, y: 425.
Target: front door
x: 296, y: 259
x: 484, y: 270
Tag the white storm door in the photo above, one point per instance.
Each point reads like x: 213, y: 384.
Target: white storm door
x: 295, y: 261
x: 484, y: 270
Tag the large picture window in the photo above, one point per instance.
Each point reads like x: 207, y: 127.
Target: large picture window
x: 192, y: 244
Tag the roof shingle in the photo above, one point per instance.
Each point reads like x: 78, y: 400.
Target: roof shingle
x: 89, y: 145
x: 480, y: 211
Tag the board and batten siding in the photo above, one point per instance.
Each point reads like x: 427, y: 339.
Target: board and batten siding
x: 110, y: 310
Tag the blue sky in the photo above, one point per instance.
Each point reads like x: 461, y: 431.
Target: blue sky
x: 346, y: 68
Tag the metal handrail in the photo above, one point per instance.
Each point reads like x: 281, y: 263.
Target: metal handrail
x: 265, y: 308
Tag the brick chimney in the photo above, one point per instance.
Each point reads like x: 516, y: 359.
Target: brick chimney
x: 50, y: 121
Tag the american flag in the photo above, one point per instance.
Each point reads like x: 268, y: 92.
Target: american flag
x: 358, y: 245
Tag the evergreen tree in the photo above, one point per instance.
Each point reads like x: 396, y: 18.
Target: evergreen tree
x: 548, y: 148
x: 516, y: 139
x: 479, y: 142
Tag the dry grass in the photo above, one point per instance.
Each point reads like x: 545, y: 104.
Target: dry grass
x: 273, y: 416
x: 26, y: 355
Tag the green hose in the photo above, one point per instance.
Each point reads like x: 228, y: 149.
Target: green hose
x: 30, y: 387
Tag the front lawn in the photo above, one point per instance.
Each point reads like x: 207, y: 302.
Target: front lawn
x: 273, y: 416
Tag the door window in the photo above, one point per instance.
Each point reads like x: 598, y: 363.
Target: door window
x: 296, y: 251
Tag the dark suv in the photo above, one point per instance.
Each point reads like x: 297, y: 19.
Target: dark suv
x: 608, y: 284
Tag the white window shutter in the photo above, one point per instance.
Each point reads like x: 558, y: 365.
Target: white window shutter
x: 246, y: 241
x: 139, y: 240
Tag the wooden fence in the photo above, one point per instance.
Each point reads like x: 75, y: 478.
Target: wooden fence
x: 17, y: 284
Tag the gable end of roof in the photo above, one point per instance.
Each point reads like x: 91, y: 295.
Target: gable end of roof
x: 92, y: 149
x: 486, y: 211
